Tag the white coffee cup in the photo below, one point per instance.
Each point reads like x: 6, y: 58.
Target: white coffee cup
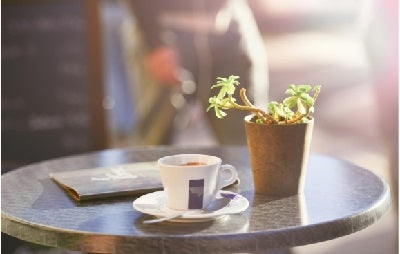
x: 191, y: 181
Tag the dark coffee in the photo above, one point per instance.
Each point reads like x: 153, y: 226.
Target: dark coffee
x: 193, y: 163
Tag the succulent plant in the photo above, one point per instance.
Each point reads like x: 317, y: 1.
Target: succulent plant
x: 296, y: 108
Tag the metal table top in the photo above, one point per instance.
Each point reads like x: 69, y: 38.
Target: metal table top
x: 339, y: 198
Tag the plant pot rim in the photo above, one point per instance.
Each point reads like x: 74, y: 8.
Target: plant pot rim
x: 247, y: 119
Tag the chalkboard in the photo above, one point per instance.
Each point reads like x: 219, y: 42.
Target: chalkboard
x: 51, y: 80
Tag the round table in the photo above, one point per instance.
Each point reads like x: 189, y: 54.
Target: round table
x: 339, y: 198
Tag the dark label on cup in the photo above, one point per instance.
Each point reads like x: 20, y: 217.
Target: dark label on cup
x: 196, y: 194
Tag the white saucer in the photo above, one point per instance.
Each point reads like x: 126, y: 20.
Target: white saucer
x: 155, y: 204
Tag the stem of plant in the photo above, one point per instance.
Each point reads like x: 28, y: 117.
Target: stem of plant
x: 260, y: 114
x: 234, y: 105
x: 315, y: 98
x: 248, y: 103
x: 294, y: 120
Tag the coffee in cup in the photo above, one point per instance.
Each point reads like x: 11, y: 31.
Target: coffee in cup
x: 191, y: 181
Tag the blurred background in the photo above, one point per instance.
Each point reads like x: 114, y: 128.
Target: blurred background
x: 78, y: 76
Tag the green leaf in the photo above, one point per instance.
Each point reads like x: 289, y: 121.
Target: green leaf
x: 287, y: 112
x: 222, y: 79
x: 216, y: 86
x: 219, y: 113
x: 222, y: 92
x: 290, y: 101
x: 226, y: 85
x: 233, y: 78
x: 290, y: 92
x: 227, y: 101
x: 272, y: 107
x: 213, y: 100
x: 303, y: 88
x: 302, y: 107
x: 303, y: 120
x: 307, y: 99
x: 230, y: 89
x: 260, y: 121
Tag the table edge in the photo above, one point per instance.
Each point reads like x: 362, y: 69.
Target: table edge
x: 85, y: 240
x: 52, y: 236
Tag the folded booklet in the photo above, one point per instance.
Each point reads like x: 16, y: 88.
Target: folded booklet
x: 118, y: 180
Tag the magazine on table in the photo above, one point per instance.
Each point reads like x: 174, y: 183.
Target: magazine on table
x: 117, y: 180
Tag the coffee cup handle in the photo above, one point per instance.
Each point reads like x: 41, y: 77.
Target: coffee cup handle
x: 233, y: 176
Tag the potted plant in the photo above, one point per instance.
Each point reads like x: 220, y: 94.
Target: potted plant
x: 278, y: 139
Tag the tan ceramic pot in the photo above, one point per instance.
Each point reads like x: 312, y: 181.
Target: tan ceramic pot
x: 278, y: 156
